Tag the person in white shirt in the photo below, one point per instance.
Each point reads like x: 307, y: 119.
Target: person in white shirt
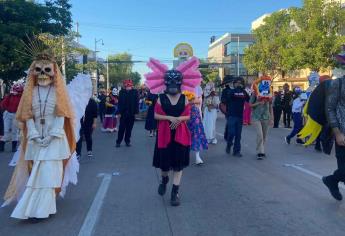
x: 297, y: 109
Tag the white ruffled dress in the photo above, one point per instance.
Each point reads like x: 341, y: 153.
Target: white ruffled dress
x: 39, y: 198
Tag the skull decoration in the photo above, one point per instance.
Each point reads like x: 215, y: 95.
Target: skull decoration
x: 115, y: 92
x: 44, y: 72
x: 173, y: 81
x: 209, y: 88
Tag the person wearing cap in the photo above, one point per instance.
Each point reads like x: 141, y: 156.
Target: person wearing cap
x: 297, y: 108
x: 235, y: 100
x: 128, y: 107
x: 228, y: 85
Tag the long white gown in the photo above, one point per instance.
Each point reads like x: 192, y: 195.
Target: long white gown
x: 210, y: 118
x: 39, y: 198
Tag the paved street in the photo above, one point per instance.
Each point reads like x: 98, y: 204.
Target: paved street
x: 281, y: 195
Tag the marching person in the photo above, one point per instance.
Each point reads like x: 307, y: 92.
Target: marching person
x: 287, y: 106
x: 151, y: 123
x: 277, y: 108
x: 211, y: 105
x: 10, y: 105
x: 336, y: 115
x: 128, y: 107
x: 101, y: 105
x: 88, y: 125
x: 235, y: 100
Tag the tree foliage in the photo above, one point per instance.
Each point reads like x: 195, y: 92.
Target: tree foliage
x: 20, y: 18
x: 120, y: 68
x: 298, y: 38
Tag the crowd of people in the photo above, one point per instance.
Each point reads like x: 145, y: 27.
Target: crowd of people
x: 179, y: 113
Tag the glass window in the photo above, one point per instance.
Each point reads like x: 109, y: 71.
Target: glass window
x: 233, y: 48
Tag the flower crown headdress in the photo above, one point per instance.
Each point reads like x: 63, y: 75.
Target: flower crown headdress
x: 189, y: 69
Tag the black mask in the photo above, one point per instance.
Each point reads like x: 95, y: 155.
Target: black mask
x: 173, y: 81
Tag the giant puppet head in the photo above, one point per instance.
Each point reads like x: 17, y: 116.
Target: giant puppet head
x: 44, y: 72
x: 262, y: 88
x: 186, y: 77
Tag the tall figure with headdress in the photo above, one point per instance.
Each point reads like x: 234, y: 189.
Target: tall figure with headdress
x: 47, y: 156
x: 211, y: 104
x: 172, y: 111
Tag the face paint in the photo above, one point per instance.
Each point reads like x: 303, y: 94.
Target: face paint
x: 173, y: 82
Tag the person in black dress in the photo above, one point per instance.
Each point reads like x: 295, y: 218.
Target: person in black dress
x: 172, y: 147
x: 151, y: 123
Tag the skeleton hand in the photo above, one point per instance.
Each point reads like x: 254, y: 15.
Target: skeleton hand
x: 46, y: 141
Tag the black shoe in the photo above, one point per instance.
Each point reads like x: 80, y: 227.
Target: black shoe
x: 287, y: 140
x: 332, y: 187
x: 175, y: 199
x: 260, y: 156
x: 299, y: 141
x: 128, y: 145
x: 228, y: 149
x: 118, y: 145
x: 237, y: 154
x: 2, y: 146
x: 162, y: 188
x: 318, y: 148
x: 14, y: 146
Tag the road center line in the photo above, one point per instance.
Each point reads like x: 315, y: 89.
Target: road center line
x: 91, y: 218
x: 308, y: 172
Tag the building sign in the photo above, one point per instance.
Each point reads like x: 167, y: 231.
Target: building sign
x: 183, y: 51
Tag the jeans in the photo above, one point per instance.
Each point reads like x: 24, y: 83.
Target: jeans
x: 298, y: 124
x: 287, y: 117
x: 234, y: 132
x: 339, y: 174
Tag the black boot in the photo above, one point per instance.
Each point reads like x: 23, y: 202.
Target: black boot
x: 175, y: 200
x: 162, y: 188
x: 2, y: 146
x: 14, y: 146
x: 332, y: 186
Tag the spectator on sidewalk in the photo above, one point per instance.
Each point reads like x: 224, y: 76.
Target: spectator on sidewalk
x: 336, y: 115
x: 287, y: 106
x: 88, y: 124
x: 277, y: 108
x: 235, y: 100
x: 127, y: 109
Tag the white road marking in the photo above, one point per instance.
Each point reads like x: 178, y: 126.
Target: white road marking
x: 308, y: 172
x: 91, y: 218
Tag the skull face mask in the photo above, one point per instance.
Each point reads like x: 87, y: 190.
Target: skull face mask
x: 44, y: 73
x: 173, y: 81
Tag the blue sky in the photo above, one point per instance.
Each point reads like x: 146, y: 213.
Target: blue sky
x: 152, y: 28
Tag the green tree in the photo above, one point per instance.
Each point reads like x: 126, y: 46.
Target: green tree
x: 120, y: 68
x: 267, y: 54
x: 317, y: 38
x: 136, y: 77
x: 20, y: 18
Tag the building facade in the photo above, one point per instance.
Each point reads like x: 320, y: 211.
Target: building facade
x: 228, y: 51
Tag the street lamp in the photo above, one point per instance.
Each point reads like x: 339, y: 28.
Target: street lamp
x: 97, y: 73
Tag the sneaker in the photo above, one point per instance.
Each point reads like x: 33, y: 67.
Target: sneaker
x: 128, y: 145
x: 287, y: 140
x: 260, y: 156
x: 332, y: 187
x: 214, y: 141
x: 299, y: 141
x: 78, y: 157
x: 89, y: 154
x: 118, y: 145
x: 237, y: 154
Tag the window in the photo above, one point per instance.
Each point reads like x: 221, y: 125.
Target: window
x: 233, y: 48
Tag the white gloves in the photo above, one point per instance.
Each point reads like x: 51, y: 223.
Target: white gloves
x: 43, y: 142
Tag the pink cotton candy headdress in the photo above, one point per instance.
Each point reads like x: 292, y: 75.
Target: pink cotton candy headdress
x: 189, y: 69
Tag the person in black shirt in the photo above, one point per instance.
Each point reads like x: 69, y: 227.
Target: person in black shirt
x: 287, y: 106
x: 127, y: 109
x: 101, y: 106
x: 277, y: 108
x: 235, y: 100
x: 88, y: 124
x: 228, y: 83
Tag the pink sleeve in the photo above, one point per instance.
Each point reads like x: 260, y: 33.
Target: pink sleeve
x: 159, y: 109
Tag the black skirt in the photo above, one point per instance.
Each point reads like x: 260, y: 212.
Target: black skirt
x: 175, y: 157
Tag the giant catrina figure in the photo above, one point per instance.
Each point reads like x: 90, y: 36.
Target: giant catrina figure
x: 48, y: 111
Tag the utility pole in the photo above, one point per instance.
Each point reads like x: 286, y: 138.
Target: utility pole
x: 97, y: 72
x: 238, y: 56
x: 107, y: 72
x: 77, y: 30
